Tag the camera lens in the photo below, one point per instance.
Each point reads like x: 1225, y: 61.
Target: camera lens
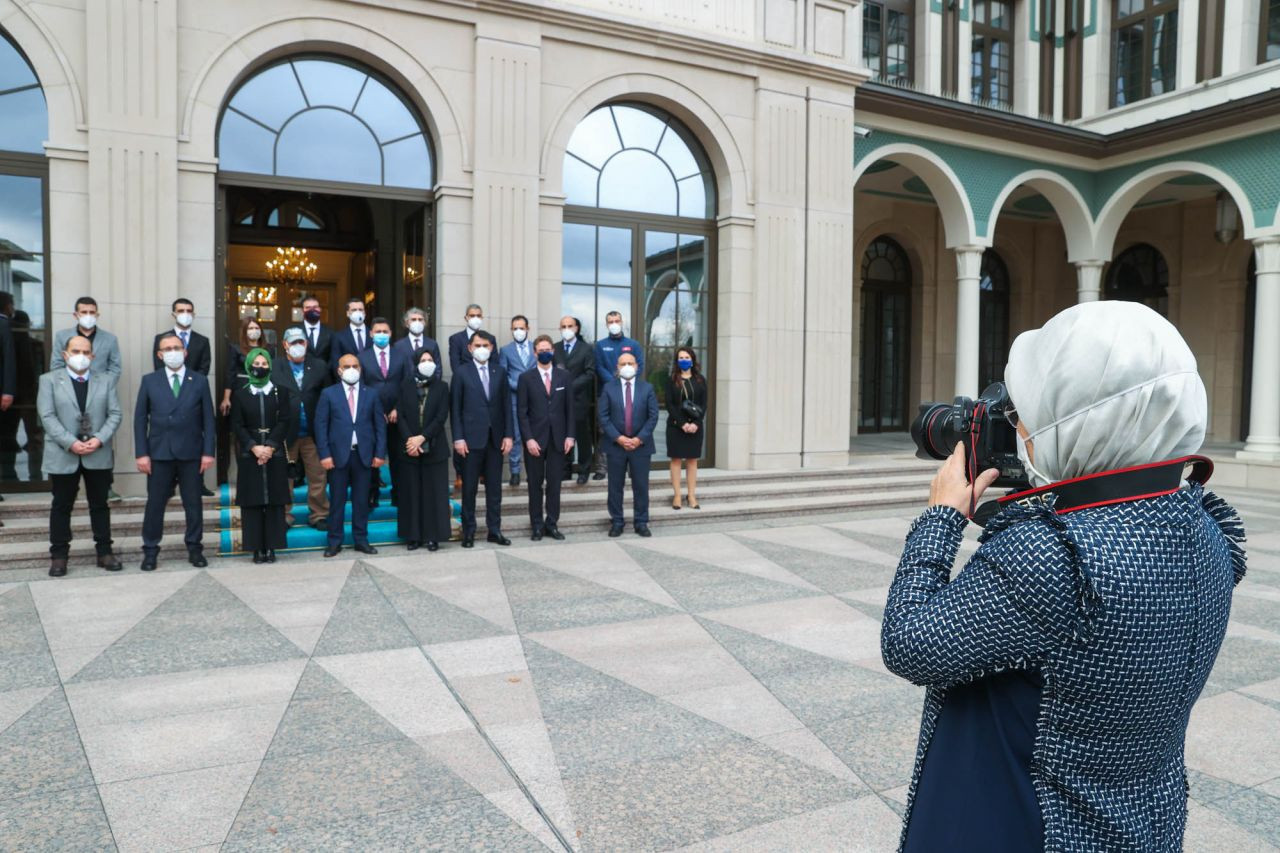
x: 935, y: 431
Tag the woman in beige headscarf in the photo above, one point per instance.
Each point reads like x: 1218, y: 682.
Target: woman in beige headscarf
x: 1063, y: 660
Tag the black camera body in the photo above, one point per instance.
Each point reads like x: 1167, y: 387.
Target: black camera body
x: 990, y: 440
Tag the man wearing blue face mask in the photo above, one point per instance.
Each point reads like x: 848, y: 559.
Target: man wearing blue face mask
x: 544, y: 409
x: 383, y: 369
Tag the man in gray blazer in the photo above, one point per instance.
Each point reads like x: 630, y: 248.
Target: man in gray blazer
x: 106, y: 349
x: 80, y: 411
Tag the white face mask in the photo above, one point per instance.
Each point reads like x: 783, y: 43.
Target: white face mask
x: 426, y: 369
x: 1024, y: 455
x: 184, y: 318
x: 416, y: 327
x: 480, y: 354
x: 474, y: 323
x: 351, y: 375
x: 173, y: 358
x: 627, y: 371
x: 357, y: 318
x: 298, y: 350
x: 615, y: 329
x: 519, y: 335
x: 253, y: 334
x: 568, y: 335
x: 79, y: 362
x: 87, y: 321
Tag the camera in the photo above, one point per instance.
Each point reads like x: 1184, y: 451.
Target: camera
x: 983, y: 426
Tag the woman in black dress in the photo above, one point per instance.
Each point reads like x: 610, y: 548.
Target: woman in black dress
x: 686, y: 413
x: 425, y: 516
x: 262, y: 417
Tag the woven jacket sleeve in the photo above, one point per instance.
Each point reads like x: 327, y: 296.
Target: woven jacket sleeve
x: 942, y: 631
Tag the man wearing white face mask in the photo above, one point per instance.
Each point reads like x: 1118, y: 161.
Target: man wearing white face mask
x: 460, y: 354
x: 351, y: 438
x: 628, y: 413
x: 515, y: 358
x: 480, y: 413
x: 416, y: 338
x: 106, y: 349
x: 309, y: 375
x: 352, y: 339
x: 578, y: 358
x: 199, y: 355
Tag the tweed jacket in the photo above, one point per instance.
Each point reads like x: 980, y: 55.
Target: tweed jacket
x: 60, y: 416
x: 1121, y: 608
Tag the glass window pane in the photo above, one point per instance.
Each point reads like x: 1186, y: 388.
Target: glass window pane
x: 21, y: 218
x: 244, y: 146
x: 22, y: 275
x: 678, y: 156
x: 14, y: 70
x: 330, y: 83
x: 24, y: 121
x: 637, y: 180
x: 640, y: 128
x: 693, y: 198
x: 580, y: 301
x: 383, y: 110
x: 661, y: 280
x: 1128, y: 73
x: 408, y: 163
x: 271, y: 96
x: 595, y: 139
x: 615, y: 256
x: 330, y: 145
x: 897, y: 67
x: 871, y: 14
x: 1128, y: 7
x: 579, y: 182
x: 1272, y: 49
x: 578, y: 255
x: 1164, y: 53
x: 1000, y: 17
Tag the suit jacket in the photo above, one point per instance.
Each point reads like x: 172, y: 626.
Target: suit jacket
x: 8, y: 360
x: 344, y: 343
x: 174, y: 428
x: 316, y: 376
x: 322, y: 348
x: 334, y: 426
x: 430, y: 424
x: 510, y: 361
x: 581, y: 366
x: 60, y: 416
x: 459, y: 352
x: 387, y: 388
x: 548, y: 420
x: 199, y: 353
x: 405, y: 346
x: 644, y: 414
x: 106, y: 351
x: 475, y: 420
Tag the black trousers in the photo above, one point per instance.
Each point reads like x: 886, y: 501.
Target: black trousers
x: 356, y: 477
x: 585, y: 427
x: 164, y: 473
x: 549, y: 467
x: 66, y: 487
x: 621, y: 462
x: 480, y: 462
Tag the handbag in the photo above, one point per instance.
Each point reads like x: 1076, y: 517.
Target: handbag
x: 688, y: 408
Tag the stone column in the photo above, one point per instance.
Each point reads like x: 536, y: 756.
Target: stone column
x: 1264, y: 408
x: 1089, y: 280
x: 968, y: 268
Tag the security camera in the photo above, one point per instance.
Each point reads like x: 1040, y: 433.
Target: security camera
x: 861, y: 132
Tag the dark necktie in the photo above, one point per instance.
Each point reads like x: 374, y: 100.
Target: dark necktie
x: 359, y: 339
x: 626, y: 408
x: 315, y: 338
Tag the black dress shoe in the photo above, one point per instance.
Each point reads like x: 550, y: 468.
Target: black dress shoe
x: 412, y: 546
x: 515, y: 480
x: 615, y: 531
x: 269, y: 556
x: 365, y: 548
x: 433, y: 546
x: 582, y: 478
x: 554, y: 533
x: 257, y: 557
x: 204, y: 492
x: 196, y: 558
x: 110, y: 562
x: 57, y: 567
x: 643, y: 530
x: 319, y: 525
x: 468, y: 542
x: 597, y: 476
x: 148, y: 563
x: 373, y: 502
x: 333, y: 550
x: 536, y: 536
x: 499, y: 539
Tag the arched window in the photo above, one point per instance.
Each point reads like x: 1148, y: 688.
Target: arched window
x: 993, y: 319
x: 325, y: 119
x: 1140, y: 274
x: 885, y: 326
x: 24, y: 171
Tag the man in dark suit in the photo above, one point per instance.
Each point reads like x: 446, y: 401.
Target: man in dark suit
x: 173, y: 439
x: 480, y: 411
x: 384, y: 368
x: 319, y: 336
x: 544, y: 407
x: 460, y: 354
x: 351, y: 438
x: 309, y: 375
x: 353, y: 338
x: 577, y: 357
x: 628, y: 414
x: 416, y: 339
x: 199, y: 353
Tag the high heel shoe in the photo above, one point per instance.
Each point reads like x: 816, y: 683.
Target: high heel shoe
x: 693, y: 504
x: 269, y: 556
x: 675, y: 502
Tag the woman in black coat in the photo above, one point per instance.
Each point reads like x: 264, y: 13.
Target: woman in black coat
x: 262, y: 417
x: 425, y: 515
x: 684, y: 430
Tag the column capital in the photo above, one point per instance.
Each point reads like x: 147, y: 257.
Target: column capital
x: 1267, y: 250
x: 968, y: 261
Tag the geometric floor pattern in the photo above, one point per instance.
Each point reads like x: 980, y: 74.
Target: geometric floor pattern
x: 716, y: 687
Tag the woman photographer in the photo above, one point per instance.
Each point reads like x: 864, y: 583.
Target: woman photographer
x: 686, y: 396
x: 424, y: 515
x: 1063, y: 660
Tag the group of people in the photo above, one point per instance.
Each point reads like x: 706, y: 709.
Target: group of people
x: 337, y: 407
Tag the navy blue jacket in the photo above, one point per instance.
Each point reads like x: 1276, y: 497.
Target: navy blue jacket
x: 334, y: 426
x: 371, y: 374
x: 460, y: 352
x: 405, y: 346
x: 547, y: 420
x: 609, y: 350
x: 344, y: 343
x: 171, y: 428
x: 613, y: 414
x: 474, y: 419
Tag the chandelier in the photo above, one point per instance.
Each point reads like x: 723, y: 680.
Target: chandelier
x: 291, y: 266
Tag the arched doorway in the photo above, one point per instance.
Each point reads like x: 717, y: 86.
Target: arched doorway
x: 993, y: 319
x: 1140, y: 274
x: 24, y: 265
x: 639, y: 235
x: 886, y: 327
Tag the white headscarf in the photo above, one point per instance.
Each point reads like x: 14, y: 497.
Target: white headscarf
x: 1105, y: 385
